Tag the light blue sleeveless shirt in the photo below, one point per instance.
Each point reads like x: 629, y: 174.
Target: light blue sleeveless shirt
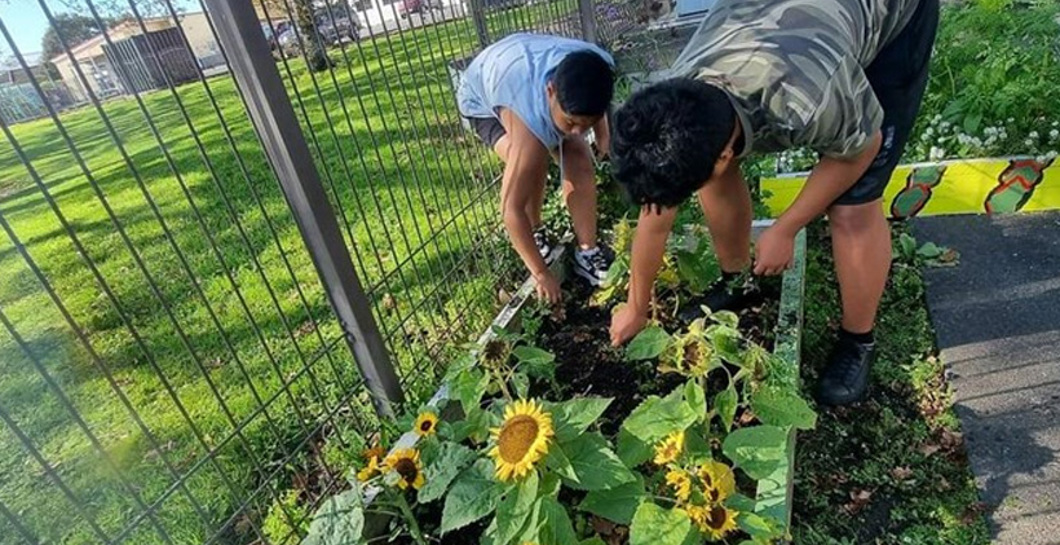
x: 512, y: 74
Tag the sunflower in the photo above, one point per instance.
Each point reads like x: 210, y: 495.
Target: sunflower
x: 496, y: 353
x: 681, y: 483
x: 370, y: 470
x: 426, y: 424
x: 669, y: 449
x: 717, y: 522
x: 406, y: 463
x: 718, y: 480
x: 522, y: 440
x: 374, y: 452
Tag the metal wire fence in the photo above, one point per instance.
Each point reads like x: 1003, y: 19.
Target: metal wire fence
x: 173, y: 365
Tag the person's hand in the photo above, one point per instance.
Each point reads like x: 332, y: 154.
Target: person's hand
x: 603, y: 147
x: 774, y: 252
x: 548, y: 287
x: 626, y: 323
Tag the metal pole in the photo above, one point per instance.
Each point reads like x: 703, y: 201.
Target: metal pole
x: 274, y: 119
x: 478, y: 15
x: 588, y: 20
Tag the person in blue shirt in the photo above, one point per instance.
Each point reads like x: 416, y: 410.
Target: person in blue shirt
x: 532, y: 98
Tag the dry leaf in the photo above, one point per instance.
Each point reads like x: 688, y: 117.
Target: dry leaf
x: 972, y: 513
x: 389, y: 302
x: 927, y: 449
x: 503, y: 296
x: 950, y: 440
x: 859, y: 498
x: 901, y: 473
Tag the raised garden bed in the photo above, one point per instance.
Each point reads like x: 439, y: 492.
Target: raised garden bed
x: 634, y: 456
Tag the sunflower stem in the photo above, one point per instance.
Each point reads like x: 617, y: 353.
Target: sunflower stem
x: 503, y: 384
x: 414, y: 526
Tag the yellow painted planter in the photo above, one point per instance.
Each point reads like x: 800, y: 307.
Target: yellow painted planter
x: 983, y: 186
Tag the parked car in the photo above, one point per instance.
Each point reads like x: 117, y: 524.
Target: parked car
x: 273, y: 32
x: 420, y: 7
x: 337, y: 27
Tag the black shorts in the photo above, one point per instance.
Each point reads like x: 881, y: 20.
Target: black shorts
x: 898, y: 76
x: 488, y: 129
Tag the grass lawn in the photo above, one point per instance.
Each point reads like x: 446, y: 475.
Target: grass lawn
x: 204, y: 310
x: 891, y: 469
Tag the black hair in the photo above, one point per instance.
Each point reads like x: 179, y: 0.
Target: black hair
x: 667, y: 138
x: 584, y: 84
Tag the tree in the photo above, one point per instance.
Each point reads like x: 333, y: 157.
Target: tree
x: 73, y: 28
x: 304, y: 15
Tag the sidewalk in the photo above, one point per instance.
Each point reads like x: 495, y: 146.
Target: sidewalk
x: 997, y: 318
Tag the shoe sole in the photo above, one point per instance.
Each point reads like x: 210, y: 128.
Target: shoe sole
x: 587, y: 276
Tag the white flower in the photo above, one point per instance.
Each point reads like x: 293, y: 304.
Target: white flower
x: 945, y: 125
x: 1029, y: 143
x: 929, y: 132
x: 937, y: 118
x: 1010, y: 120
x: 1033, y: 135
x: 936, y: 153
x: 1054, y: 134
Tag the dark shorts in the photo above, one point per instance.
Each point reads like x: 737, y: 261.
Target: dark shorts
x: 488, y: 129
x: 898, y: 76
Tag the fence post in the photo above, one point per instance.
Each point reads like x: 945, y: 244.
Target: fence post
x: 588, y: 20
x: 274, y: 119
x: 478, y: 15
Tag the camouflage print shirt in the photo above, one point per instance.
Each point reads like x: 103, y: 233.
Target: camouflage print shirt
x: 794, y: 69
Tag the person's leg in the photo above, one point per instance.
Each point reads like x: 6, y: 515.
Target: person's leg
x: 861, y: 246
x: 726, y: 203
x: 579, y: 190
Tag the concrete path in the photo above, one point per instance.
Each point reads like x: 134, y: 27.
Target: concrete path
x: 997, y: 316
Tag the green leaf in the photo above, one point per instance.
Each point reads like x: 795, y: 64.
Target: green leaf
x: 929, y: 250
x: 725, y: 403
x: 632, y: 451
x: 972, y: 122
x: 549, y: 485
x: 617, y: 504
x: 782, y: 408
x: 475, y: 425
x: 758, y: 450
x: 726, y: 318
x: 339, y: 521
x: 648, y: 344
x: 573, y: 417
x: 657, y: 417
x: 697, y: 270
x: 468, y: 388
x: 556, y: 527
x: 532, y: 355
x: 696, y: 398
x: 473, y: 496
x: 452, y: 458
x: 595, y: 465
x: 595, y: 540
x: 557, y: 461
x: 758, y: 527
x: 739, y: 502
x: 907, y: 244
x: 521, y: 385
x: 515, y: 508
x: 654, y: 525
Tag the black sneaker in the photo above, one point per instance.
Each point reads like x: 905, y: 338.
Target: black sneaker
x: 846, y: 379
x: 543, y: 241
x: 723, y: 295
x: 592, y: 265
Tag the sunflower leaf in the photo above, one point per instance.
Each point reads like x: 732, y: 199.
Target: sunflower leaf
x: 521, y: 385
x: 632, y: 451
x: 339, y: 520
x: 758, y: 527
x: 515, y: 508
x: 573, y: 417
x: 617, y: 504
x: 725, y: 403
x: 558, y: 462
x: 596, y: 466
x: 654, y: 525
x: 648, y: 344
x: 696, y: 398
x: 468, y: 388
x: 536, y: 362
x: 473, y: 496
x: 757, y: 450
x: 451, y: 459
x: 556, y: 527
x: 783, y: 408
x: 657, y: 417
x: 475, y: 426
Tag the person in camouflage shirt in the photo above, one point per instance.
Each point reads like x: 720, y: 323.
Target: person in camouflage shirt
x: 842, y: 77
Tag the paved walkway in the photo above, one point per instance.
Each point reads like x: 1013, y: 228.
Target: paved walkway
x: 998, y: 321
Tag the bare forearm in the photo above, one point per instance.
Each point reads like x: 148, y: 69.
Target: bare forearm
x: 828, y: 180
x: 649, y: 248
x: 520, y: 232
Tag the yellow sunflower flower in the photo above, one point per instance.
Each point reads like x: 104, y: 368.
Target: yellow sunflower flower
x: 426, y: 424
x: 718, y: 480
x: 717, y: 522
x: 522, y: 440
x: 406, y: 463
x: 681, y: 483
x: 370, y: 470
x: 697, y: 513
x: 669, y: 449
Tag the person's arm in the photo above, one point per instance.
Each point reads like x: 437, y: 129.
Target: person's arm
x: 649, y: 248
x: 602, y: 133
x: 829, y: 179
x: 525, y: 168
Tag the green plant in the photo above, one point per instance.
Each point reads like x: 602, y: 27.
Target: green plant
x: 906, y: 251
x: 287, y: 520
